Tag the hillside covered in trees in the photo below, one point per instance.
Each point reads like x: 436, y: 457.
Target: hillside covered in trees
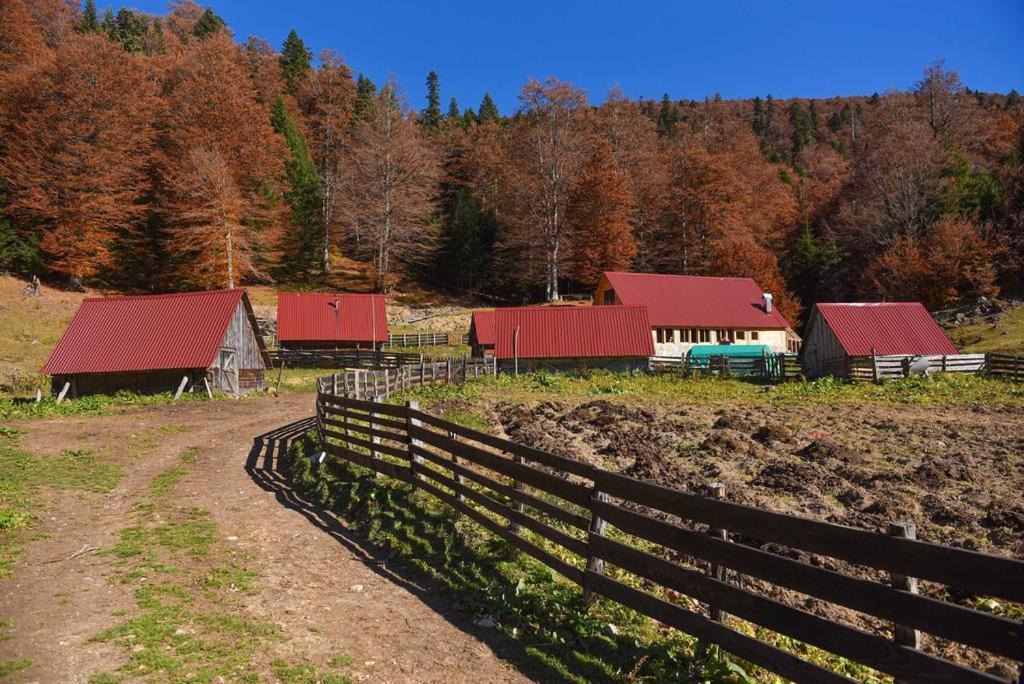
x: 157, y: 153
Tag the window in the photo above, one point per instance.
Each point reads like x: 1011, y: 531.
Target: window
x: 723, y: 336
x: 684, y: 335
x: 753, y: 335
x: 609, y: 296
x: 741, y: 334
x: 705, y: 335
x: 663, y: 335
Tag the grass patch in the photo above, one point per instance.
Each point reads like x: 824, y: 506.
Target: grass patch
x: 1005, y: 336
x: 940, y: 388
x: 92, y: 405
x: 9, y: 667
x: 562, y: 640
x: 305, y: 674
x: 22, y: 478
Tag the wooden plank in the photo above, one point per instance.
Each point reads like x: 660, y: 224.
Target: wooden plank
x: 394, y: 470
x: 368, y: 406
x: 367, y: 430
x: 983, y: 573
x: 552, y: 534
x: 529, y: 453
x: 570, y: 572
x: 982, y: 630
x: 363, y: 416
x: 874, y: 651
x: 740, y: 645
x: 397, y: 452
x: 903, y: 635
x: 541, y: 506
x: 550, y: 484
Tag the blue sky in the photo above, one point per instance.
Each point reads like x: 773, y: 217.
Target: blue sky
x: 688, y: 49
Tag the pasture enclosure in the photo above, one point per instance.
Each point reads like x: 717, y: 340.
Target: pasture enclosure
x: 683, y: 558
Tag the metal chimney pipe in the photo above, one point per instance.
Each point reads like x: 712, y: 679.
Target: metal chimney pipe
x: 767, y: 302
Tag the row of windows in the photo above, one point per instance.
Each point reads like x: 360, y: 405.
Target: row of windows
x: 703, y: 335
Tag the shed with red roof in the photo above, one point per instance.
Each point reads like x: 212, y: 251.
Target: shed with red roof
x: 321, y: 320
x: 481, y: 334
x: 160, y: 343
x: 689, y: 310
x: 838, y: 333
x: 576, y: 338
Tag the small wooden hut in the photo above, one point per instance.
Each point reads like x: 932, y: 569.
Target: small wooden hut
x: 160, y: 343
x: 481, y: 334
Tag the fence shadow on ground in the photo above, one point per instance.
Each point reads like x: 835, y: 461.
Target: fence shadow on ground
x: 548, y: 647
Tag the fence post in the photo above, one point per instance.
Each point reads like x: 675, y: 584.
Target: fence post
x: 410, y: 423
x: 458, y: 478
x: 334, y: 384
x: 447, y: 371
x: 903, y: 635
x: 598, y: 525
x: 517, y: 506
x: 716, y: 490
x: 874, y: 364
x: 422, y: 371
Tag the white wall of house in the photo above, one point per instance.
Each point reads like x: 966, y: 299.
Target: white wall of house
x: 674, y: 340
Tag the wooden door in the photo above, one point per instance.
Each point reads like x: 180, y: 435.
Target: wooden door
x: 229, y: 371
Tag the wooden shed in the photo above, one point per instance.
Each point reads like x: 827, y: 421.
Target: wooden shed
x: 481, y: 334
x: 329, y: 321
x: 848, y: 339
x: 572, y: 338
x: 160, y: 343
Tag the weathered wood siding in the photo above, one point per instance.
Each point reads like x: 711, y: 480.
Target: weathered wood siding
x: 240, y: 338
x: 822, y: 353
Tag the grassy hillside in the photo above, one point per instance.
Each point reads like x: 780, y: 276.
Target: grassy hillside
x: 1006, y: 336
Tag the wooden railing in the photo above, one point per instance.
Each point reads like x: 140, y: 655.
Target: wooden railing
x: 342, y: 358
x: 426, y: 339
x: 771, y: 368
x: 664, y: 542
x: 1004, y: 366
x: 890, y: 367
x: 383, y: 382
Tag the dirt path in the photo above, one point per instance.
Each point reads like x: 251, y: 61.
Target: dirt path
x: 328, y: 593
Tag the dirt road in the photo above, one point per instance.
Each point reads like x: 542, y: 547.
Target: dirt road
x: 328, y: 593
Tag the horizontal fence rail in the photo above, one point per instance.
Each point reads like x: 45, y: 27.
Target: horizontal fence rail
x: 426, y: 339
x: 643, y: 545
x: 1002, y: 365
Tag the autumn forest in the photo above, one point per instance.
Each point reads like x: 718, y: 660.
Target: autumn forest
x: 157, y: 153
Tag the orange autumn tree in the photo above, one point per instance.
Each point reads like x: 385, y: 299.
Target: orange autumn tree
x: 77, y: 144
x: 740, y: 256
x: 598, y: 219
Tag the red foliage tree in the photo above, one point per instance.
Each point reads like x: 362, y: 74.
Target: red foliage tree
x: 741, y: 256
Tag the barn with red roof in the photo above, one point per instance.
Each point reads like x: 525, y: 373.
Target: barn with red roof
x: 481, y: 334
x: 839, y: 333
x: 690, y: 310
x: 160, y: 343
x: 322, y: 320
x: 572, y: 338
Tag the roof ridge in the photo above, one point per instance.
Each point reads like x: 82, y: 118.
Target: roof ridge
x: 163, y: 295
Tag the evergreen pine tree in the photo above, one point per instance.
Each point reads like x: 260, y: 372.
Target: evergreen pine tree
x: 468, y: 118
x: 90, y: 20
x: 813, y: 120
x: 874, y: 99
x: 208, y: 24
x: 488, y: 112
x: 366, y: 91
x: 19, y: 252
x: 468, y: 239
x: 454, y: 114
x: 431, y: 116
x: 814, y: 268
x: 107, y: 24
x: 301, y: 245
x: 667, y: 117
x: 295, y: 61
x: 127, y: 28
x: 758, y: 122
x: 1012, y: 99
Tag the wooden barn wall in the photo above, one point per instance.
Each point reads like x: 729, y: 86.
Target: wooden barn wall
x: 143, y: 382
x: 241, y: 337
x: 576, y: 365
x: 822, y: 352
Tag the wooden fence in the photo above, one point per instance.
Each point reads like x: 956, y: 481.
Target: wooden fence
x: 889, y: 367
x: 771, y: 368
x: 426, y: 339
x: 664, y: 543
x: 1004, y: 366
x: 383, y: 382
x: 343, y: 358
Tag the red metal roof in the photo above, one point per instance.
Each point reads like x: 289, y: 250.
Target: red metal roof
x: 679, y: 301
x: 331, y: 317
x: 559, y: 332
x: 148, y: 332
x: 889, y: 328
x: 482, y: 326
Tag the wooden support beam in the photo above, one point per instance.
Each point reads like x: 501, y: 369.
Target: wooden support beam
x: 716, y: 490
x: 905, y: 636
x: 598, y: 527
x: 181, y: 388
x: 64, y: 391
x: 413, y: 443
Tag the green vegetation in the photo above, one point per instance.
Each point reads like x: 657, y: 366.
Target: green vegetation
x: 9, y: 667
x: 1006, y: 336
x: 23, y: 477
x: 937, y: 389
x: 95, y: 404
x: 490, y: 582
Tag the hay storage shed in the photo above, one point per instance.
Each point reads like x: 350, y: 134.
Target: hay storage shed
x: 328, y: 321
x: 572, y: 338
x: 481, y: 334
x: 841, y: 335
x: 160, y: 343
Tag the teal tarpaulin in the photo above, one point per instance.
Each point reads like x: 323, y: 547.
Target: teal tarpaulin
x: 704, y: 351
x: 741, y: 359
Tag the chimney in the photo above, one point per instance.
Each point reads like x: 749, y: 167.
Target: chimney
x: 767, y: 302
